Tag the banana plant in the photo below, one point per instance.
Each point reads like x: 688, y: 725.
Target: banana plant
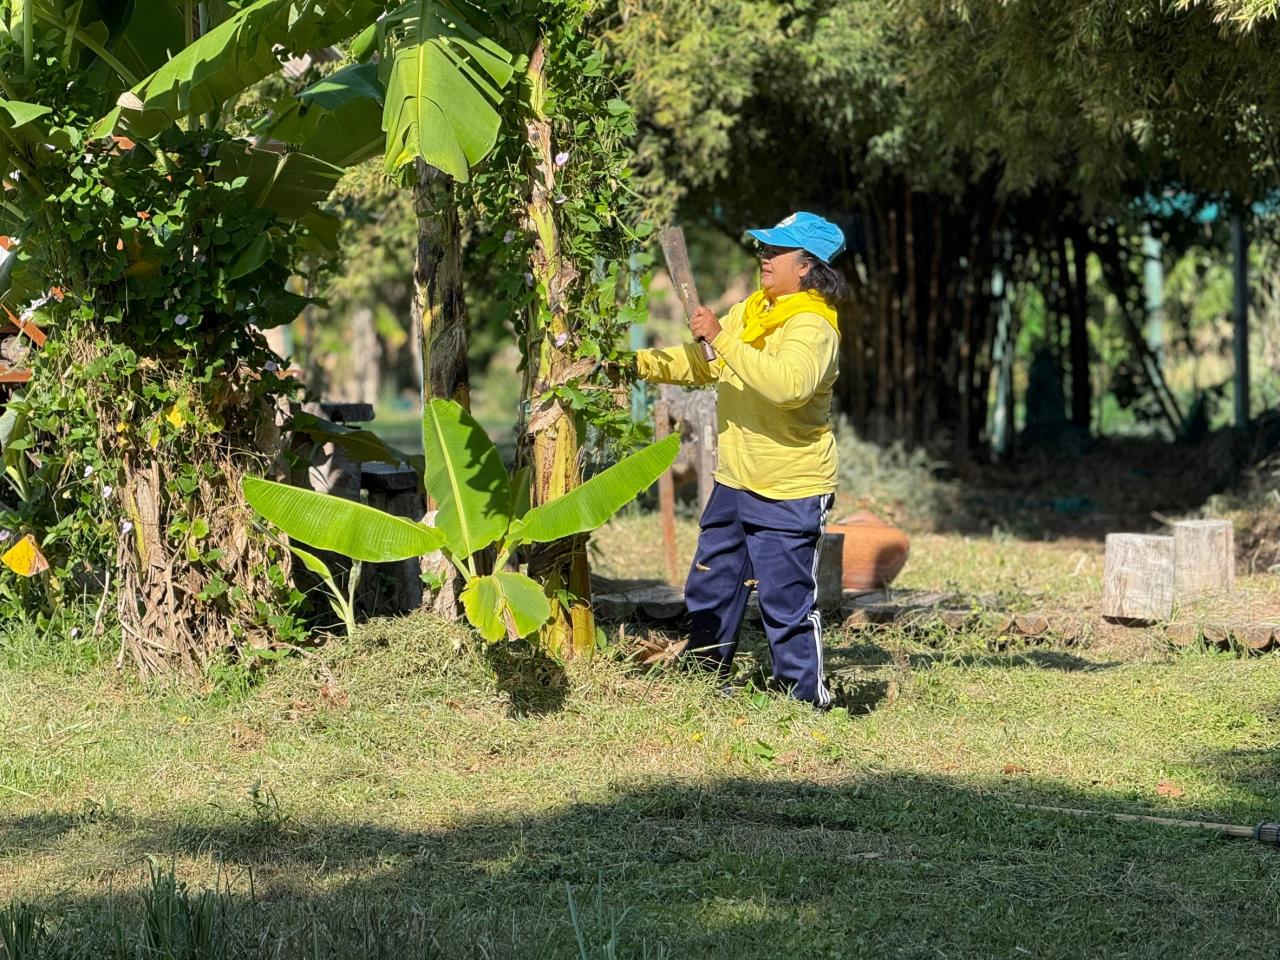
x: 342, y: 602
x: 480, y: 506
x: 434, y: 93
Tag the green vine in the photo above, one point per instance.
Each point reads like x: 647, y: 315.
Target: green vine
x: 601, y: 231
x: 153, y: 274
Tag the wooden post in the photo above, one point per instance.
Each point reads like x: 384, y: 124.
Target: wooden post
x: 1137, y: 578
x: 666, y: 492
x: 1204, y: 561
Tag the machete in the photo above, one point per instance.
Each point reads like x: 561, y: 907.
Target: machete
x: 677, y: 254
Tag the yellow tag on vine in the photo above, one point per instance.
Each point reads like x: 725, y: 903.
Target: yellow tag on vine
x: 175, y: 418
x: 25, y: 559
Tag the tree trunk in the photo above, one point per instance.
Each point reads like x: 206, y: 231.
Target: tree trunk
x: 440, y: 328
x: 931, y: 327
x: 912, y: 319
x: 1137, y: 577
x: 895, y: 320
x: 1204, y: 559
x: 560, y: 567
x: 1081, y: 389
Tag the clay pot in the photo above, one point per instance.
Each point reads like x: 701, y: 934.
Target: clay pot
x: 874, y: 551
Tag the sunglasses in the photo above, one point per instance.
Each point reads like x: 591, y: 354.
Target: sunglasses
x: 763, y: 251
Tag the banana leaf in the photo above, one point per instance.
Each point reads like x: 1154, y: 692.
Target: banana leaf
x: 233, y: 56
x: 290, y: 185
x: 141, y: 33
x: 21, y: 113
x: 589, y: 506
x: 363, y: 446
x: 465, y: 476
x: 505, y: 605
x: 343, y: 526
x: 338, y: 119
x: 444, y: 79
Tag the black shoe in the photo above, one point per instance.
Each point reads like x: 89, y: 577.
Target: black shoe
x: 728, y: 691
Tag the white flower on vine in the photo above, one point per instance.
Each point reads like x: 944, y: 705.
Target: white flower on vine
x: 4, y: 535
x: 562, y: 158
x: 88, y: 470
x: 561, y: 199
x: 125, y: 526
x: 561, y: 339
x: 181, y: 319
x: 107, y: 491
x: 528, y: 279
x: 75, y: 632
x: 508, y: 236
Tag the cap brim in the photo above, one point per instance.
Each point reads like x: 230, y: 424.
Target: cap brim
x: 775, y: 237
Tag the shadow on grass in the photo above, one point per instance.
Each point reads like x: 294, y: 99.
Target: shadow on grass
x: 873, y: 655
x: 882, y: 864
x: 535, y: 683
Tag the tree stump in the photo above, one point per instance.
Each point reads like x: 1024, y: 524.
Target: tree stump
x: 1204, y: 559
x: 1137, y: 578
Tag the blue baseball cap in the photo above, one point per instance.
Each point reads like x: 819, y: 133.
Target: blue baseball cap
x: 804, y: 231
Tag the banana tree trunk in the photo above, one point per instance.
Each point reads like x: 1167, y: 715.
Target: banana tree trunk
x: 440, y: 325
x: 553, y: 447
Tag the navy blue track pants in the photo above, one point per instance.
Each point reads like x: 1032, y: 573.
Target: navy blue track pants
x: 749, y: 540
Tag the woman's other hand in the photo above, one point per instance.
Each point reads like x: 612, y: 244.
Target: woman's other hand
x: 704, y: 324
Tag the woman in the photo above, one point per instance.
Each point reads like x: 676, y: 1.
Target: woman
x: 775, y: 365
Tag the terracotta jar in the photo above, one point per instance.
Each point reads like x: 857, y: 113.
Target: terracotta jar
x: 874, y: 551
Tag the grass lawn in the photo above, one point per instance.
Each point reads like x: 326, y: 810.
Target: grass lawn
x: 396, y: 796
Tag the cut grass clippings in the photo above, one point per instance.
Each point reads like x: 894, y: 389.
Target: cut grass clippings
x: 408, y: 794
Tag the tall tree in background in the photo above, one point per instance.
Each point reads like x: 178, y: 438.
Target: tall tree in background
x: 942, y: 134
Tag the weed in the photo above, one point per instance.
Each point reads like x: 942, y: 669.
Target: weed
x: 22, y: 929
x: 177, y: 924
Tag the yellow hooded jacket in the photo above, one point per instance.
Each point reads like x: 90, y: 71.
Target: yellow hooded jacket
x: 773, y: 393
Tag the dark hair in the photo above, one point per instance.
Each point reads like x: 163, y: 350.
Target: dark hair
x: 824, y: 280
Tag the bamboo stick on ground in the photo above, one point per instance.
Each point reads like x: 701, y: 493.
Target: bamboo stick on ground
x: 1268, y: 833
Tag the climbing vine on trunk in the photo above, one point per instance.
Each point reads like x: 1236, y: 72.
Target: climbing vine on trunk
x: 565, y: 228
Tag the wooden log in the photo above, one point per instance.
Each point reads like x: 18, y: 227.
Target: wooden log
x: 1137, y: 577
x: 1256, y: 636
x: 957, y: 621
x: 993, y: 621
x: 1218, y: 634
x: 1204, y: 562
x: 1067, y: 629
x: 1031, y: 624
x: 831, y: 571
x: 1182, y: 634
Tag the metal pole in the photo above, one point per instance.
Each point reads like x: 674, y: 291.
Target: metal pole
x: 1240, y: 316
